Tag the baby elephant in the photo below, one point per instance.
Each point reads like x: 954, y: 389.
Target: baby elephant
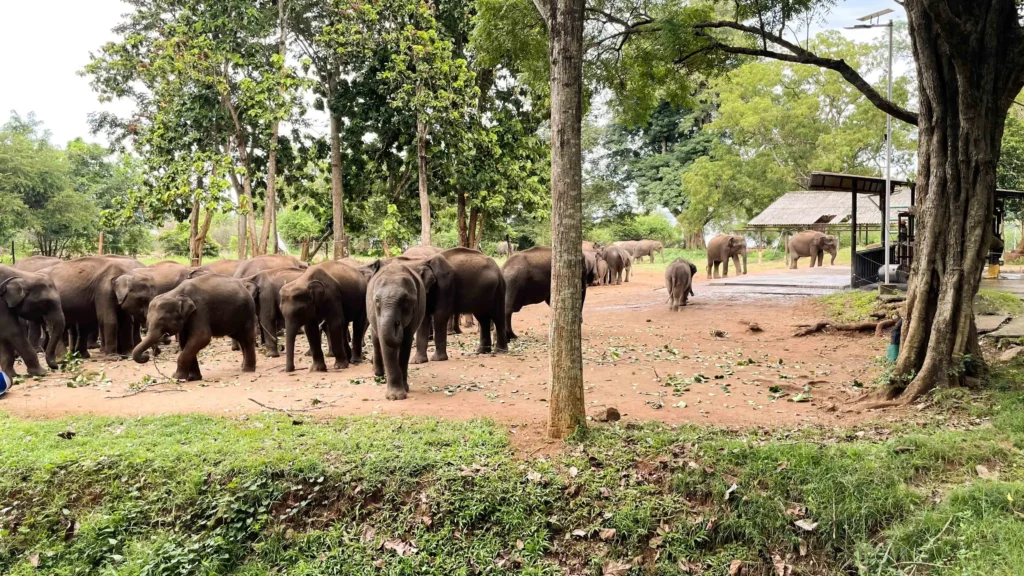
x: 679, y: 282
x: 396, y: 301
x: 197, y: 311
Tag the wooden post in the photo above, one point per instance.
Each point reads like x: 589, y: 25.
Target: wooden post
x: 14, y: 259
x: 101, y: 244
x: 305, y: 251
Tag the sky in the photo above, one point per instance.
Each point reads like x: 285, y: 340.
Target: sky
x: 45, y: 43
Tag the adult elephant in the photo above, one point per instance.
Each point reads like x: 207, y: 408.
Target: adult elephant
x: 619, y: 263
x: 258, y: 264
x: 198, y: 310
x: 629, y: 246
x: 135, y: 291
x: 592, y: 261
x: 480, y: 290
x: 89, y: 300
x: 528, y: 281
x: 649, y: 248
x: 395, y: 308
x: 421, y: 251
x: 502, y: 248
x: 223, y: 267
x: 588, y: 245
x: 126, y: 260
x: 30, y: 297
x: 811, y: 243
x: 268, y: 304
x: 332, y: 293
x: 724, y: 247
x: 36, y: 263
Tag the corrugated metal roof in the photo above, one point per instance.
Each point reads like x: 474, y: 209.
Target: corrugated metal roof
x: 827, y: 208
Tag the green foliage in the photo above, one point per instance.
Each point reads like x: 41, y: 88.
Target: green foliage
x: 648, y: 227
x: 296, y: 226
x: 175, y: 242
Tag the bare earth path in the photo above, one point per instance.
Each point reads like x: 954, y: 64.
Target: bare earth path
x: 638, y: 357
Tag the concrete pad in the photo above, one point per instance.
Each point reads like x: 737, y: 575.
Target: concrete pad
x: 989, y: 323
x: 1015, y: 329
x: 833, y: 278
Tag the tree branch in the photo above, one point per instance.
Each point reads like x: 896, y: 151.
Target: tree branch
x: 545, y: 10
x: 801, y: 56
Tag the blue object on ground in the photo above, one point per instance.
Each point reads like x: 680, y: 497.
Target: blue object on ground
x: 5, y: 383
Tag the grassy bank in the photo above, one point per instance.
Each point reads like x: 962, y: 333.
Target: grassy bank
x: 263, y: 495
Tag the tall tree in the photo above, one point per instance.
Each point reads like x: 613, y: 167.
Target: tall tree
x: 564, y: 21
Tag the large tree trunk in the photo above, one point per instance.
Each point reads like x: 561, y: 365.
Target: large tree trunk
x: 969, y: 70
x: 565, y: 51
x: 463, y: 229
x: 474, y: 215
x: 270, y: 203
x: 421, y: 154
x: 337, y: 191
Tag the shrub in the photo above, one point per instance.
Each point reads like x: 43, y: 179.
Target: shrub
x: 175, y: 242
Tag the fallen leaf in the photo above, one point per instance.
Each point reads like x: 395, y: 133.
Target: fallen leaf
x: 400, y: 548
x: 655, y: 542
x: 572, y: 490
x: 615, y: 568
x: 736, y: 568
x: 369, y: 532
x: 781, y: 568
x: 605, y: 492
x: 803, y: 548
x: 579, y: 533
x: 806, y: 524
x: 520, y: 545
x: 33, y: 559
x: 573, y: 471
x: 985, y: 473
x: 689, y: 567
x: 535, y: 477
x: 427, y: 521
x: 606, y: 533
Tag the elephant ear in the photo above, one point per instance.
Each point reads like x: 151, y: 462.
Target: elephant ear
x: 693, y: 268
x: 13, y: 290
x: 122, y: 287
x: 317, y: 291
x: 186, y: 307
x: 253, y: 289
x: 426, y: 274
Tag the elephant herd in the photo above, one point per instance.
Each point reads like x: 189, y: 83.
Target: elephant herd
x: 55, y: 305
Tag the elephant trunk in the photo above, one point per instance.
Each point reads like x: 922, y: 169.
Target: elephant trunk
x: 833, y: 252
x: 55, y: 328
x: 391, y: 329
x: 140, y: 354
x: 744, y: 259
x: 291, y: 329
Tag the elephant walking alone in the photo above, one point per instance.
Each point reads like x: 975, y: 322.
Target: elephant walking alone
x: 811, y: 243
x: 679, y: 282
x: 724, y: 247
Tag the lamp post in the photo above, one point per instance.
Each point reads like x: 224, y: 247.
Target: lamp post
x: 872, y: 21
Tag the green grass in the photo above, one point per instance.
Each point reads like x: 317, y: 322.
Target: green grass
x: 265, y: 495
x: 996, y: 302
x: 850, y: 305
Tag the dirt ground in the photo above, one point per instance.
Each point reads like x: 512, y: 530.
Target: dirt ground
x: 699, y: 365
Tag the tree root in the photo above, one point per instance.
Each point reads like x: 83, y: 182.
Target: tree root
x: 867, y: 326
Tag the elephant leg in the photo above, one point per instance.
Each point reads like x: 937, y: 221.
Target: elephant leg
x: 247, y: 342
x: 187, y: 363
x: 378, y: 355
x: 358, y: 336
x: 337, y: 333
x: 440, y: 354
x: 736, y: 262
x: 485, y: 335
x: 93, y: 338
x: 709, y: 269
x: 403, y: 356
x: 422, y: 335
x: 313, y: 336
x: 725, y: 267
x: 7, y: 360
x: 79, y: 335
x: 21, y: 345
x: 268, y: 327
x: 108, y: 334
x: 500, y: 329
x: 393, y: 371
x: 508, y: 327
x: 453, y: 325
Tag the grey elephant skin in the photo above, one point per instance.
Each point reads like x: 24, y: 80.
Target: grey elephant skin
x: 596, y: 267
x: 502, y: 249
x: 37, y: 263
x: 198, y: 310
x: 724, y: 247
x: 648, y: 248
x: 679, y: 282
x: 30, y: 297
x: 259, y: 264
x: 330, y: 293
x: 91, y: 301
x: 480, y: 290
x: 619, y: 261
x: 396, y: 303
x: 268, y: 304
x: 421, y: 251
x: 528, y: 281
x: 223, y: 267
x: 811, y: 243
